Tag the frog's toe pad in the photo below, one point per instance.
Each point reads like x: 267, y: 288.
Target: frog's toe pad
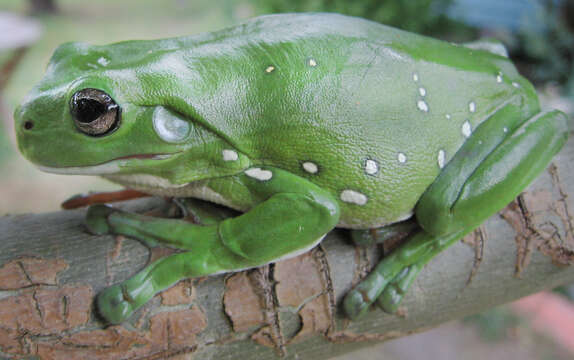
x: 96, y: 219
x: 390, y: 299
x: 356, y: 303
x: 113, y: 305
x: 393, y: 294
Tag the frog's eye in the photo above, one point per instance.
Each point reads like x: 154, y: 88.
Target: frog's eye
x: 94, y: 112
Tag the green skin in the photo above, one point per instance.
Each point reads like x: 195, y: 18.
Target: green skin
x: 303, y: 122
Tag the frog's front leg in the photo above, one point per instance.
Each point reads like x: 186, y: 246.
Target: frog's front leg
x: 290, y: 215
x: 502, y: 157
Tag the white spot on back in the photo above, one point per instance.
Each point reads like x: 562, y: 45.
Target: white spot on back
x: 516, y: 85
x: 441, y: 158
x: 259, y: 174
x: 353, y: 197
x: 499, y: 78
x: 422, y: 91
x: 466, y: 129
x: 312, y: 62
x: 472, y: 106
x: 229, y: 155
x: 371, y: 167
x: 447, y: 116
x: 422, y: 106
x: 415, y: 77
x: 269, y: 69
x: 310, y: 167
x: 402, y: 158
x: 168, y: 126
x: 103, y: 61
x: 505, y: 129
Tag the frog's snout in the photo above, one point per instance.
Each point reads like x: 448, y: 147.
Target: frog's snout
x: 23, y: 122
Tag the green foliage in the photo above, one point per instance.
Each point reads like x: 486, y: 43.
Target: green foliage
x: 422, y: 16
x: 550, y: 50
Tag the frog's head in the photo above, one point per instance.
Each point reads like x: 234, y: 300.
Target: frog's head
x: 100, y: 110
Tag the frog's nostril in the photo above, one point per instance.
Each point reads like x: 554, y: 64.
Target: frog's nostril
x: 28, y: 125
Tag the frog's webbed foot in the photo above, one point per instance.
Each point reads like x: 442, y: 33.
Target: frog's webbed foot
x: 118, y: 302
x: 392, y: 277
x: 504, y: 154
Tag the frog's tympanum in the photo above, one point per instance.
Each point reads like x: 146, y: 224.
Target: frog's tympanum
x: 303, y: 123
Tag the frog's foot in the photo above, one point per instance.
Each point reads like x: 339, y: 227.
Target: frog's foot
x: 118, y: 302
x: 392, y: 277
x: 114, y: 304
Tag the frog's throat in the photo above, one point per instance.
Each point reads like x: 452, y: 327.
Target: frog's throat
x: 109, y: 167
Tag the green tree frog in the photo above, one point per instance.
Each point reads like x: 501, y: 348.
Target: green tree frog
x: 303, y: 123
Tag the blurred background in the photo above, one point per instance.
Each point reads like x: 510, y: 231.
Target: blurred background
x: 539, y: 35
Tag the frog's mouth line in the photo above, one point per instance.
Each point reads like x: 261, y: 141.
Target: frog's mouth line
x: 106, y: 168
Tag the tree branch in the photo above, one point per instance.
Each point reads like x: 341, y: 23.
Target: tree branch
x: 51, y: 269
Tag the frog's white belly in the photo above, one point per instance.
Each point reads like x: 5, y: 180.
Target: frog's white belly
x: 162, y: 187
x: 200, y: 190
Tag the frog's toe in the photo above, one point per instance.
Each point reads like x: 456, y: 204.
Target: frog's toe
x: 354, y: 305
x: 358, y: 300
x: 390, y: 299
x: 393, y: 294
x: 113, y: 305
x: 97, y: 219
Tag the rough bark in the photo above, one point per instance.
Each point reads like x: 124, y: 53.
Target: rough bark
x: 50, y: 270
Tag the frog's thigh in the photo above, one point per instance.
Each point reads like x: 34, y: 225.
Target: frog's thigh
x: 456, y: 202
x: 462, y: 197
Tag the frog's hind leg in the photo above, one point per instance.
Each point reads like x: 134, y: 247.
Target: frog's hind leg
x: 502, y: 157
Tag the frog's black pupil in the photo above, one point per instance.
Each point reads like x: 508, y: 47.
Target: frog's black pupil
x: 89, y: 110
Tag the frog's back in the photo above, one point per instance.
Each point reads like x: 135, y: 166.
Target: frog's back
x: 369, y: 112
